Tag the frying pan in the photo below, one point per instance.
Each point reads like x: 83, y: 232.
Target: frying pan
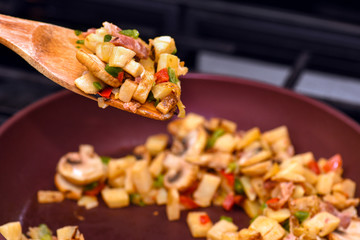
x: 33, y: 140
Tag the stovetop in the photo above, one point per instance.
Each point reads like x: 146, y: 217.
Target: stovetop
x: 312, y: 48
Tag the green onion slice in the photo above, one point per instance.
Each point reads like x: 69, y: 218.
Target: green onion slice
x: 216, y: 134
x: 97, y: 85
x: 286, y: 225
x: 172, y: 75
x: 135, y: 199
x: 105, y: 159
x: 226, y: 218
x: 238, y: 187
x: 107, y: 38
x: 80, y: 41
x: 90, y: 186
x: 77, y: 32
x: 301, y: 215
x: 130, y: 33
x: 159, y: 181
x: 174, y: 52
x: 231, y: 168
x: 113, y: 71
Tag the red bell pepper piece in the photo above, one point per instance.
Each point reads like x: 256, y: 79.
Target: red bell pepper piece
x: 313, y: 166
x: 228, y: 202
x: 189, y: 191
x: 120, y: 77
x: 188, y: 202
x: 204, y: 219
x: 238, y: 199
x: 272, y: 201
x: 162, y: 76
x: 334, y: 163
x: 230, y: 178
x: 95, y: 191
x: 106, y: 92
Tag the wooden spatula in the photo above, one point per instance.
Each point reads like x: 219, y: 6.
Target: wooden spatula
x: 51, y: 50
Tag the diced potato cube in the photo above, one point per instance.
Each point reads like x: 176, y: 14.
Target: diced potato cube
x: 115, y: 197
x: 310, y: 176
x: 310, y: 204
x: 148, y: 65
x: 69, y: 233
x: 249, y: 190
x: 346, y: 187
x: 298, y: 192
x: 50, y: 196
x: 249, y: 137
x: 161, y: 197
x: 293, y: 172
x: 275, y: 134
x: 129, y: 185
x: 225, y: 143
x: 92, y: 40
x: 249, y: 234
x: 163, y: 44
x: 168, y: 60
x: 206, y: 189
x: 322, y: 224
x: 144, y: 87
x: 156, y: 165
x: 120, y: 56
x: 11, y: 230
x: 173, y: 205
x: 256, y: 158
x: 278, y: 215
x: 101, y: 32
x: 156, y: 143
x: 272, y: 171
x: 88, y: 202
x: 228, y: 125
x: 325, y: 183
x: 303, y: 158
x: 192, y: 121
x: 104, y: 50
x: 167, y: 104
x: 127, y: 90
x: 117, y: 182
x: 339, y: 200
x: 252, y: 208
x: 134, y: 68
x: 257, y: 169
x: 86, y: 83
x: 268, y: 228
x: 162, y: 90
x: 230, y: 236
x: 197, y: 228
x: 219, y: 228
x: 117, y: 167
x: 141, y: 177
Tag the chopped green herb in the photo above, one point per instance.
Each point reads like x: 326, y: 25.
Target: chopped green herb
x: 131, y: 33
x: 97, y: 85
x: 105, y: 159
x: 172, y: 76
x: 263, y: 206
x: 301, y: 215
x: 77, y: 32
x: 216, y: 134
x: 78, y: 47
x: 107, y: 38
x: 238, y: 187
x: 90, y: 186
x: 113, y: 71
x: 226, y: 218
x: 159, y: 181
x: 286, y: 225
x: 151, y: 98
x: 44, y: 232
x: 135, y: 199
x: 174, y: 52
x: 80, y: 41
x: 232, y: 167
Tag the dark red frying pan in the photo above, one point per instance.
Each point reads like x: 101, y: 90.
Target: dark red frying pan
x: 33, y: 140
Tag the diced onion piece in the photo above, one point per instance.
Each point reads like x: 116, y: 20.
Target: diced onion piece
x: 161, y: 197
x: 181, y: 108
x: 86, y: 83
x: 161, y: 90
x: 104, y: 50
x: 134, y: 68
x: 127, y: 90
x: 168, y: 60
x: 173, y: 205
x: 101, y: 103
x: 120, y: 56
x: 88, y: 202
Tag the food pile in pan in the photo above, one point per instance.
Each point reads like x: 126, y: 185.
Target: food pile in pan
x: 123, y: 67
x: 210, y: 162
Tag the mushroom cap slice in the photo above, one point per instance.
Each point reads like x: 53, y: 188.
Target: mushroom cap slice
x: 195, y: 143
x: 181, y: 174
x: 81, y: 168
x: 70, y: 190
x: 96, y: 67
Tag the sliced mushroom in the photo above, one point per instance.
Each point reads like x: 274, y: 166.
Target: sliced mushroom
x: 181, y: 174
x: 81, y: 168
x: 70, y: 190
x: 216, y: 160
x: 142, y: 153
x: 96, y: 67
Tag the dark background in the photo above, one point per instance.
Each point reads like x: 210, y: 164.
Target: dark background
x: 317, y: 35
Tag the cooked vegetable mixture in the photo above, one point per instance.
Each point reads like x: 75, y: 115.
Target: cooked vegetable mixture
x: 121, y: 66
x: 209, y: 162
x: 13, y: 231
